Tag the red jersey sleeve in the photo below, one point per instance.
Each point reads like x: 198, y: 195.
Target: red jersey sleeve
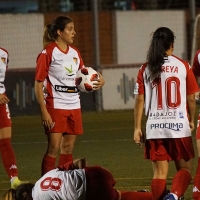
x: 42, y: 66
x: 196, y: 64
x: 139, y: 86
x: 191, y: 83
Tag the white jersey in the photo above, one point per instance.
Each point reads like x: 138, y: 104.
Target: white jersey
x: 3, y: 67
x: 165, y: 101
x: 58, y: 71
x: 61, y: 185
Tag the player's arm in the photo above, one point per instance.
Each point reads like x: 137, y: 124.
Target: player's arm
x: 3, y: 99
x: 191, y: 109
x: 138, y: 112
x: 46, y: 118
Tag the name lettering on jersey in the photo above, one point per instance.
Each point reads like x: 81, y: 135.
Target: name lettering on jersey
x: 172, y: 126
x: 170, y: 69
x: 67, y: 89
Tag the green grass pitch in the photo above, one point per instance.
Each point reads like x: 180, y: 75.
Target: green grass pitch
x: 107, y: 141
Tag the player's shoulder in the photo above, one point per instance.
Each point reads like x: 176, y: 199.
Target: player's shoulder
x: 3, y: 50
x: 143, y: 66
x: 49, y: 47
x: 72, y: 48
x: 176, y: 58
x: 197, y: 52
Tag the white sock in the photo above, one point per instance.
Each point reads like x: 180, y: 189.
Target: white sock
x: 13, y: 178
x: 175, y: 196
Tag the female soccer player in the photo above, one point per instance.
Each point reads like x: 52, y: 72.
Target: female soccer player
x: 6, y: 150
x: 74, y: 180
x: 60, y: 108
x: 166, y: 86
x: 196, y: 182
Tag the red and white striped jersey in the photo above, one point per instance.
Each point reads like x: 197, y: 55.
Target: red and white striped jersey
x: 3, y: 67
x: 196, y: 64
x: 57, y: 184
x: 165, y: 100
x: 58, y: 71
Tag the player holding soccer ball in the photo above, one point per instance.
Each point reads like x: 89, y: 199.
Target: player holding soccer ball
x: 6, y: 150
x: 60, y: 108
x: 166, y: 86
x: 196, y: 182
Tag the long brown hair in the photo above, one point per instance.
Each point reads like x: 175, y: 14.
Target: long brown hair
x: 50, y: 31
x: 9, y: 195
x: 162, y: 38
x: 23, y: 192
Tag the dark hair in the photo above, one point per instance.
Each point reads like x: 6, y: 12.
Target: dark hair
x: 24, y: 192
x: 50, y: 32
x: 9, y: 195
x: 162, y: 38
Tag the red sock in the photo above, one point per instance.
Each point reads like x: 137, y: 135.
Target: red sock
x: 48, y: 164
x: 196, y: 183
x: 64, y: 158
x: 136, y: 195
x: 8, y: 157
x: 158, y: 188
x: 180, y: 182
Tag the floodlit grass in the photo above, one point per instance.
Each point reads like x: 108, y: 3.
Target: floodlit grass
x: 107, y: 141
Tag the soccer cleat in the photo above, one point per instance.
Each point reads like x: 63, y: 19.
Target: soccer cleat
x: 169, y: 197
x: 16, y: 182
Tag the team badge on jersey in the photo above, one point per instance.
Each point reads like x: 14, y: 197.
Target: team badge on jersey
x: 3, y: 59
x: 75, y: 60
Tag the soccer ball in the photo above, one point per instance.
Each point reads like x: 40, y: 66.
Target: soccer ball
x: 85, y: 78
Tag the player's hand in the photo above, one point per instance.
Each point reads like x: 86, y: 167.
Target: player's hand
x: 3, y: 99
x: 197, y: 96
x: 138, y: 137
x: 192, y: 126
x: 47, y: 120
x: 99, y: 82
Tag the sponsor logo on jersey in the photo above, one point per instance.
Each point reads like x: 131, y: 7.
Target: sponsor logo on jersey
x: 181, y: 115
x: 69, y: 71
x: 67, y: 89
x: 171, y: 126
x: 161, y: 115
x: 65, y: 78
x: 3, y: 59
x: 136, y: 88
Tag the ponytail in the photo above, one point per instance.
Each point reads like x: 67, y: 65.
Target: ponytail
x: 47, y: 37
x: 162, y: 39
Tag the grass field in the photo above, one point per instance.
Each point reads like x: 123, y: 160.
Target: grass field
x: 107, y: 141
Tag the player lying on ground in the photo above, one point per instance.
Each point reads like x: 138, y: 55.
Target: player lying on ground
x: 74, y: 181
